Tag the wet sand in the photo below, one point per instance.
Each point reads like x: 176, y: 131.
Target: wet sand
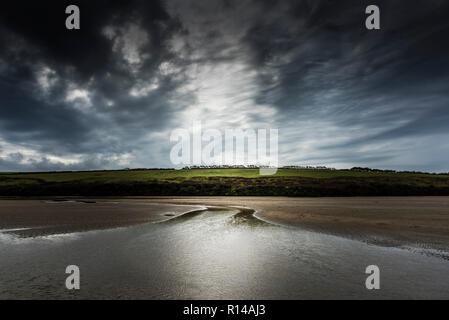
x: 225, y: 254
x: 31, y: 218
x: 391, y: 221
x: 213, y: 254
x: 397, y: 221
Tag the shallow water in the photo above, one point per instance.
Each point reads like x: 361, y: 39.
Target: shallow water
x: 213, y: 254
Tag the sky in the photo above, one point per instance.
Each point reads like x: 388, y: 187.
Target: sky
x: 108, y: 96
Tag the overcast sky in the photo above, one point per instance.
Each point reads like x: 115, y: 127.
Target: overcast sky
x: 109, y: 95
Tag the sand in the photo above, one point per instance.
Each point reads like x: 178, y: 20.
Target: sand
x: 397, y: 221
x: 40, y: 217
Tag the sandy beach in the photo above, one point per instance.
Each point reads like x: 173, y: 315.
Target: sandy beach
x: 30, y: 218
x: 396, y: 221
x: 311, y: 248
x: 392, y: 221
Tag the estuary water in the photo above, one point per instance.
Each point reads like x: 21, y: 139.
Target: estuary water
x: 213, y: 254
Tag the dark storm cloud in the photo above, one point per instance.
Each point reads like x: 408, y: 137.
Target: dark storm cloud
x: 107, y: 96
x: 390, y: 85
x: 39, y: 25
x: 53, y: 120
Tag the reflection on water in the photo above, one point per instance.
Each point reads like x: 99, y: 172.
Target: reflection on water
x: 213, y: 254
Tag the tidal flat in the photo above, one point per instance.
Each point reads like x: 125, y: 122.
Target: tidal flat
x: 224, y: 248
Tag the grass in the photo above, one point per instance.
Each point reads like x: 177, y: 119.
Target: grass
x: 295, y: 182
x: 170, y: 175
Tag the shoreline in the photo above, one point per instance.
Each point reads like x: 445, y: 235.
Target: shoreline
x: 36, y: 218
x: 416, y: 222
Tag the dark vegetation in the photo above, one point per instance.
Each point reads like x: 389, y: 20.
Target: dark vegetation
x: 225, y: 182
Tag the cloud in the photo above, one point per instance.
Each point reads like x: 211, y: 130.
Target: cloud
x: 130, y: 42
x: 109, y: 95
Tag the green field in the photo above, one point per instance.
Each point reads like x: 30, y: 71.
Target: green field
x: 293, y: 182
x: 181, y: 175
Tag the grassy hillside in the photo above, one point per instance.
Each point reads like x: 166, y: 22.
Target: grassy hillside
x: 288, y: 182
